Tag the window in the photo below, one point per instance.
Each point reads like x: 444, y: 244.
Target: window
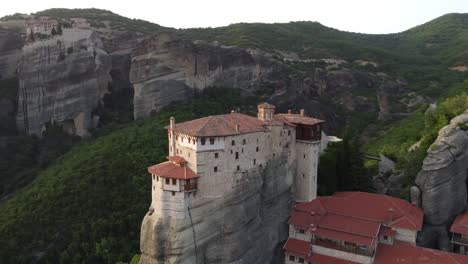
x: 168, y: 181
x: 231, y: 151
x: 157, y: 178
x: 212, y: 140
x: 304, y: 156
x: 256, y: 149
x: 255, y: 161
x: 215, y: 169
x: 216, y: 155
x: 238, y: 168
x: 292, y: 258
x: 173, y: 193
x: 385, y: 237
x: 301, y: 260
x: 303, y: 175
x: 244, y: 141
x: 153, y: 177
x: 233, y: 143
x: 302, y: 231
x: 237, y: 155
x: 289, y: 132
x: 174, y: 181
x: 242, y: 150
x: 203, y: 141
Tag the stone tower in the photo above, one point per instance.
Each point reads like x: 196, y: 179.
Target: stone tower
x: 266, y: 111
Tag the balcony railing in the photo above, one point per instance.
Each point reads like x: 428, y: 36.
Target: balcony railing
x: 191, y: 187
x: 350, y: 249
x: 460, y: 240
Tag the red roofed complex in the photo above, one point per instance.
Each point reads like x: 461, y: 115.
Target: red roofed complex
x: 210, y: 156
x: 359, y: 227
x: 459, y: 230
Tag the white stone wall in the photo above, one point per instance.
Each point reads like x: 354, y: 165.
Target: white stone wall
x: 406, y: 235
x: 166, y: 203
x: 307, y: 157
x: 342, y: 255
x: 295, y: 233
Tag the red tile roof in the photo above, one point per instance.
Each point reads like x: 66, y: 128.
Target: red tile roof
x: 170, y: 170
x: 221, y: 125
x: 266, y: 105
x: 387, y: 231
x: 375, y: 207
x: 298, y: 247
x: 460, y: 225
x: 322, y: 259
x: 299, y: 119
x: 350, y: 225
x: 407, y: 253
x: 177, y: 159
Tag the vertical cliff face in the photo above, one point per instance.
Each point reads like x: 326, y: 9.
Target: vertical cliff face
x: 62, y: 80
x: 10, y: 50
x: 442, y: 182
x: 165, y: 69
x: 244, y: 225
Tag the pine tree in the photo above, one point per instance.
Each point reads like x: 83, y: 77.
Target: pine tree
x: 53, y: 32
x: 59, y: 29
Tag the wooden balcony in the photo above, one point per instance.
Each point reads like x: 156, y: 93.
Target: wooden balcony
x: 350, y: 249
x: 190, y: 187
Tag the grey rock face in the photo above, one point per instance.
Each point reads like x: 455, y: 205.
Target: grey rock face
x: 242, y: 226
x: 62, y: 83
x: 443, y: 178
x: 165, y: 70
x: 10, y: 51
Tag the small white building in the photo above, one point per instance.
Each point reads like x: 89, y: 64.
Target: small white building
x: 208, y: 153
x: 42, y: 26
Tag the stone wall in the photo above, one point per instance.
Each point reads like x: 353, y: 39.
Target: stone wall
x: 243, y: 225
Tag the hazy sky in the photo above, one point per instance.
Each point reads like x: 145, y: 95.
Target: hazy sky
x: 367, y: 16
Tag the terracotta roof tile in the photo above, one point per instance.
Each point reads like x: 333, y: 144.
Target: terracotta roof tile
x: 177, y: 159
x: 298, y: 247
x: 221, y: 125
x: 299, y: 119
x: 170, y: 170
x: 460, y: 225
x: 322, y: 259
x: 403, y: 252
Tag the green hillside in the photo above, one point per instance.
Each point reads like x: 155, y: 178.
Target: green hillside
x: 88, y: 205
x: 421, y: 55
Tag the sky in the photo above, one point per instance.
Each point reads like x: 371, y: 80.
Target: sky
x: 364, y: 16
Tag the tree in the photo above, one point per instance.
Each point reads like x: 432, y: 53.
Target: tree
x: 31, y: 36
x: 53, y: 32
x: 59, y: 29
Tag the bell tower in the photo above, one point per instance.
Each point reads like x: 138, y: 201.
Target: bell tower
x: 266, y: 111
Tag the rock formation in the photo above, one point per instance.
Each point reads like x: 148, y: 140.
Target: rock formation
x: 165, y: 69
x: 443, y: 182
x: 10, y: 50
x: 62, y: 80
x: 243, y: 225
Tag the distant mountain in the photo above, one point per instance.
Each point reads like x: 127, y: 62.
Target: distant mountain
x: 83, y: 202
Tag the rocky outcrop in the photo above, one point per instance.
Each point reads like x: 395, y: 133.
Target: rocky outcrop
x: 10, y: 50
x: 61, y: 81
x: 243, y: 225
x: 165, y: 69
x: 443, y: 182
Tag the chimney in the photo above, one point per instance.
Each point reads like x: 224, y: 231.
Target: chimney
x: 171, y: 123
x: 172, y: 134
x: 302, y: 112
x: 289, y: 111
x: 237, y: 128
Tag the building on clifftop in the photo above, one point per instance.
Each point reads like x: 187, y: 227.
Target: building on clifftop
x: 206, y: 153
x: 358, y: 227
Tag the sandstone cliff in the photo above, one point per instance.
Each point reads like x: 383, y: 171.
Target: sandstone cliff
x: 62, y: 80
x: 10, y: 50
x: 243, y: 225
x: 165, y: 69
x: 442, y: 183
